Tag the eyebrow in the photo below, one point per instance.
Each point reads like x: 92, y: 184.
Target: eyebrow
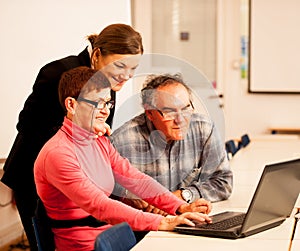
x: 119, y: 62
x: 123, y: 64
x: 104, y: 99
x: 173, y: 109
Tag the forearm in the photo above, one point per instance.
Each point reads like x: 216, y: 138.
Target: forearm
x: 214, y: 182
x: 145, y: 187
x: 216, y: 190
x: 217, y: 187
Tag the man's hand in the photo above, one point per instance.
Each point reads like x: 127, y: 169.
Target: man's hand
x: 200, y: 205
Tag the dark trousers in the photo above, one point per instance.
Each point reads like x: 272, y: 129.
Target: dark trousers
x: 118, y: 237
x: 139, y: 235
x: 26, y: 203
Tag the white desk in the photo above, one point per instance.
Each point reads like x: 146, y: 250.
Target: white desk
x: 276, y: 239
x: 247, y: 166
x: 295, y: 245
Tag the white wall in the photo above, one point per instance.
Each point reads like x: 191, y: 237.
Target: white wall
x: 244, y: 112
x: 266, y: 57
x: 34, y: 33
x: 248, y: 112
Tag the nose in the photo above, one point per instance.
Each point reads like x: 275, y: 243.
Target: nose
x: 104, y: 110
x: 179, y: 119
x: 127, y: 74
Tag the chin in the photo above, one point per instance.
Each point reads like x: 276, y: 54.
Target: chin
x: 118, y: 87
x: 179, y: 138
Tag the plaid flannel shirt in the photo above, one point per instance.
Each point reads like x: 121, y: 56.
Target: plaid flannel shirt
x: 198, y: 162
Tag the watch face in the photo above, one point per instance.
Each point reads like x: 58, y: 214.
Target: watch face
x: 186, y: 195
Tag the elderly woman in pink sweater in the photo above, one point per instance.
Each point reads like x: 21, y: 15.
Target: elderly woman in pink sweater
x: 76, y: 171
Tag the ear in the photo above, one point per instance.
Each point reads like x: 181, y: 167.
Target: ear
x: 96, y: 53
x: 70, y: 104
x: 149, y: 114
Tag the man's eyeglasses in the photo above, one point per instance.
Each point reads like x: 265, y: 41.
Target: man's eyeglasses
x: 98, y: 105
x: 171, y: 115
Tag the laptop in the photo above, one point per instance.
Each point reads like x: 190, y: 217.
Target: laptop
x: 273, y: 201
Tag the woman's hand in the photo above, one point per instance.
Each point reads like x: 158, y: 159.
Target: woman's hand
x: 168, y: 223
x: 102, y: 129
x: 200, y: 205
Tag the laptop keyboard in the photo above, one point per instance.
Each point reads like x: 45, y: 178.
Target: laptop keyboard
x: 224, y: 224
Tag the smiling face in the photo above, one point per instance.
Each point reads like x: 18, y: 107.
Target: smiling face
x: 118, y: 68
x: 172, y: 111
x: 87, y: 115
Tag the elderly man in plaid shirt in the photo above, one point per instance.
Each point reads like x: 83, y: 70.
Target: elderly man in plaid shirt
x: 178, y: 147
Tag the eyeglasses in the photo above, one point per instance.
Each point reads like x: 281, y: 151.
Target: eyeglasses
x: 171, y: 115
x: 98, y: 105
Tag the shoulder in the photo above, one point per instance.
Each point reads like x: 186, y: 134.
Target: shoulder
x: 57, y: 67
x: 133, y: 126
x: 49, y: 153
x: 201, y: 124
x: 201, y: 120
x: 56, y: 146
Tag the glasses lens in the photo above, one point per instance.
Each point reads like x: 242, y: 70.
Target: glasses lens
x: 108, y: 104
x: 170, y: 115
x: 187, y: 113
x: 173, y: 115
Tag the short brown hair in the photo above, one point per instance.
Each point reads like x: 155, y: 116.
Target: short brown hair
x: 117, y: 39
x: 80, y: 81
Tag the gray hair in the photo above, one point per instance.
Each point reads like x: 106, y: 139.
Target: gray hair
x: 154, y: 81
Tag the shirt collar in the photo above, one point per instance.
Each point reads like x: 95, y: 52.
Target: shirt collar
x: 77, y: 133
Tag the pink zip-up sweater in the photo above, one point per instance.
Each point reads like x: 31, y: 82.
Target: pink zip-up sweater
x: 75, y: 174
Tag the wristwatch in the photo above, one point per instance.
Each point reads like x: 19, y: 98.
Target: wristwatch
x: 186, y: 194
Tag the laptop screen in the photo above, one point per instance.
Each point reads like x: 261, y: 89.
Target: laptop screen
x: 275, y: 195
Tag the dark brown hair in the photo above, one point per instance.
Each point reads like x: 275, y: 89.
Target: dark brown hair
x: 117, y: 39
x: 80, y: 81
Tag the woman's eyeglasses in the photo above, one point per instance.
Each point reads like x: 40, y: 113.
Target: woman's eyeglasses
x: 98, y: 105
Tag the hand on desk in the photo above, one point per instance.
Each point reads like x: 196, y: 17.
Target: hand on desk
x: 169, y: 222
x: 200, y: 206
